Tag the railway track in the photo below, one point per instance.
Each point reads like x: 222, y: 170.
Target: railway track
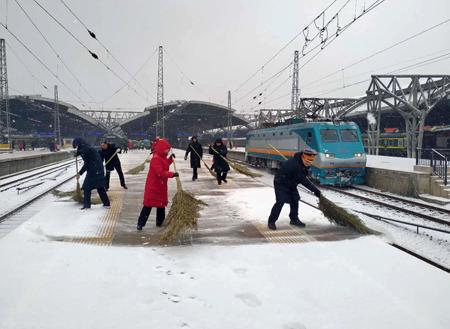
x: 410, y: 207
x: 39, y: 176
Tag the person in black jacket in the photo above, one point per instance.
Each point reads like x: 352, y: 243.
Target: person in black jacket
x: 195, y: 148
x: 221, y: 167
x: 292, y: 172
x: 95, y: 175
x: 110, y: 154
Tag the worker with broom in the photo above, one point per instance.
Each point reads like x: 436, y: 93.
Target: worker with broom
x: 95, y: 175
x: 292, y: 172
x: 110, y: 154
x: 195, y: 148
x: 221, y: 167
x: 156, y: 194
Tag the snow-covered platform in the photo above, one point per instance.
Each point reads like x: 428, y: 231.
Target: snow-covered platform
x: 17, y: 161
x: 57, y: 270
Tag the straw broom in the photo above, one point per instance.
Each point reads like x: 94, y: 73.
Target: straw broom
x: 336, y: 214
x: 183, y: 214
x: 238, y: 167
x: 136, y: 170
x: 77, y: 195
x: 206, y: 165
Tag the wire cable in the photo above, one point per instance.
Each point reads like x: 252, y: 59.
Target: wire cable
x: 94, y: 36
x: 379, y: 52
x: 54, y: 51
x: 25, y: 66
x: 41, y: 62
x: 94, y: 55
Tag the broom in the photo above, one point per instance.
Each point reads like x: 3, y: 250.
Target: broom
x: 238, y: 167
x: 206, y: 165
x: 183, y: 214
x: 336, y: 214
x: 136, y: 170
x: 77, y: 195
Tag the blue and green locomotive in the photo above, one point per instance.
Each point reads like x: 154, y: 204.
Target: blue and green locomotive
x: 341, y: 159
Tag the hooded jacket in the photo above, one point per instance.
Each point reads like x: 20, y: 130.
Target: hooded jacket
x: 93, y: 165
x: 195, y: 156
x: 156, y: 193
x: 219, y: 152
x: 292, y: 173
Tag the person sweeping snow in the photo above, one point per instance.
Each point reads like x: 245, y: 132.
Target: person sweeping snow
x: 292, y: 172
x: 156, y: 192
x: 195, y: 148
x: 110, y: 154
x: 221, y: 167
x: 95, y: 175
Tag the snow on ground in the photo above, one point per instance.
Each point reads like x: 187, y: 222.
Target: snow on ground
x: 19, y: 154
x: 359, y: 283
x: 392, y: 163
x: 11, y: 198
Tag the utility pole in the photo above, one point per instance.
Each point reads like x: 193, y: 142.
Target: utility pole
x: 160, y: 95
x: 4, y: 96
x: 295, y: 91
x: 230, y: 120
x: 56, y: 125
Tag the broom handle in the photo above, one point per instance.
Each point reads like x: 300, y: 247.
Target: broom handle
x: 115, y: 153
x: 200, y: 157
x: 177, y: 178
x: 282, y: 155
x: 228, y: 161
x: 76, y: 166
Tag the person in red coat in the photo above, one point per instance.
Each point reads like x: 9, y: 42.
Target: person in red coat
x: 156, y: 195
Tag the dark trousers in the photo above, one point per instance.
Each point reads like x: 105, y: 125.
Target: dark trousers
x: 87, y: 197
x: 221, y: 175
x: 118, y: 168
x: 145, y: 212
x: 194, y: 173
x: 276, y: 210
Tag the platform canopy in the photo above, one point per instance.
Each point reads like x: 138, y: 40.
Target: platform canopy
x: 181, y: 120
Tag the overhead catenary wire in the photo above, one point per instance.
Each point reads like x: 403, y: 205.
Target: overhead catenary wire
x: 94, y: 36
x: 379, y: 52
x: 93, y: 55
x: 25, y: 66
x: 54, y: 50
x: 279, y: 51
x: 41, y: 62
x: 325, y: 43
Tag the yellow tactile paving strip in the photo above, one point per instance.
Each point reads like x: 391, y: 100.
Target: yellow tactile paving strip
x: 105, y: 232
x: 289, y: 235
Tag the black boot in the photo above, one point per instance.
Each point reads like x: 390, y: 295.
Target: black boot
x: 272, y: 226
x: 297, y: 222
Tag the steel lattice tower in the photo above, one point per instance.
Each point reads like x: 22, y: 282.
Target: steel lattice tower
x: 160, y: 95
x: 295, y: 90
x: 4, y: 97
x: 57, y: 126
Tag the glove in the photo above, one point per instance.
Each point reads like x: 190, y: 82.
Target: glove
x: 175, y: 174
x: 185, y: 158
x: 317, y: 193
x: 173, y: 156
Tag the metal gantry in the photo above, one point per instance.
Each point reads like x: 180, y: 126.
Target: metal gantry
x: 56, y: 124
x: 295, y: 91
x: 5, y: 127
x: 160, y: 96
x: 229, y: 117
x: 413, y: 102
x: 325, y: 108
x: 111, y: 119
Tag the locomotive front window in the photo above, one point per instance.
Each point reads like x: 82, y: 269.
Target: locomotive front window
x: 349, y: 135
x: 329, y: 135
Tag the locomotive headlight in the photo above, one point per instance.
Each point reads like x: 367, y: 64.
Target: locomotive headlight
x: 358, y: 155
x: 329, y: 155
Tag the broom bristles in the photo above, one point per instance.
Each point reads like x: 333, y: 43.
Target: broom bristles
x: 182, y: 217
x: 342, y: 217
x: 136, y: 170
x: 243, y: 169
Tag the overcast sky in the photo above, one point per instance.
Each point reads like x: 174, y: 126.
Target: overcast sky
x: 217, y: 45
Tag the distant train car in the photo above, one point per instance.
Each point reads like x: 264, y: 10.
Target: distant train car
x: 341, y: 159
